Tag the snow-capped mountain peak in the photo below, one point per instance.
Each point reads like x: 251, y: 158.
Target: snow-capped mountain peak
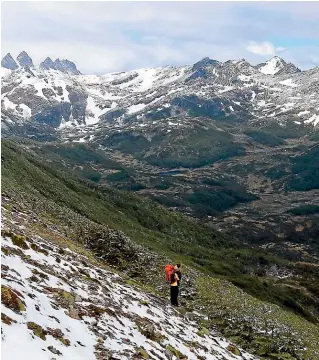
x: 272, y: 66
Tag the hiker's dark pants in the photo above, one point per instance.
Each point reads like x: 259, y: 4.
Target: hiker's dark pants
x: 174, y: 295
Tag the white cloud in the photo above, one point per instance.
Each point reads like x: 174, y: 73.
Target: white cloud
x: 263, y: 48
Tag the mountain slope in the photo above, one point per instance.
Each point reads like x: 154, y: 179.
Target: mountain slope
x: 54, y: 302
x: 106, y: 224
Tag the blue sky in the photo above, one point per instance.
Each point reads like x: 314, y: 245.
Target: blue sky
x: 103, y: 37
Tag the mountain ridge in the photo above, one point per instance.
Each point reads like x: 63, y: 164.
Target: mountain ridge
x: 24, y: 60
x: 59, y: 96
x: 205, y: 60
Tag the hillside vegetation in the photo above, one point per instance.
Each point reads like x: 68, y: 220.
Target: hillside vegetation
x: 84, y: 212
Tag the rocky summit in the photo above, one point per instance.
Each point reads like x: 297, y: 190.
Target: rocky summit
x: 9, y: 63
x: 24, y: 59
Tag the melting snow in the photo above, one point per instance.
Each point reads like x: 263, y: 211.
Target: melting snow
x: 314, y: 119
x: 253, y: 96
x: 113, y: 329
x: 174, y: 90
x: 243, y: 77
x: 81, y: 140
x: 8, y: 104
x: 289, y: 104
x: 151, y: 94
x: 65, y: 124
x: 26, y: 111
x: 261, y: 103
x: 135, y: 108
x: 226, y: 88
x: 288, y: 82
x: 93, y: 112
x: 272, y: 66
x: 303, y: 113
x: 4, y: 72
x: 147, y: 77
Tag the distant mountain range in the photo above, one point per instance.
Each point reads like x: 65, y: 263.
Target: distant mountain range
x: 23, y: 60
x: 55, y: 93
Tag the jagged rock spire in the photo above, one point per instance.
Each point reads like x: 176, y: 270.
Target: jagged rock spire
x: 24, y: 59
x: 47, y: 64
x: 64, y: 66
x: 8, y: 62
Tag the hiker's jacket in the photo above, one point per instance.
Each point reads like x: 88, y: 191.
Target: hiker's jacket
x: 174, y: 279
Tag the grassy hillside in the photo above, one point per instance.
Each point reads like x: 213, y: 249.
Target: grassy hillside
x: 65, y: 202
x: 305, y: 171
x: 190, y: 146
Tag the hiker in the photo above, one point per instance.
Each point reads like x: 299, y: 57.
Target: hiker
x: 175, y: 281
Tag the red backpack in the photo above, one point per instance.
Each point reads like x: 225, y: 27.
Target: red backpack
x: 169, y: 270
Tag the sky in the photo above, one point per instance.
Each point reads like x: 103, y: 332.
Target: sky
x: 102, y: 37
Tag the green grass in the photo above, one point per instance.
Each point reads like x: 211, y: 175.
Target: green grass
x: 264, y: 138
x: 305, y: 171
x: 238, y: 314
x: 290, y: 130
x: 194, y: 146
x: 210, y: 201
x: 305, y: 210
x: 78, y: 154
x: 314, y: 136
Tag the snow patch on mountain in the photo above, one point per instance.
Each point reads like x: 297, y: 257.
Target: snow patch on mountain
x: 66, y: 124
x: 4, y: 72
x: 67, y: 308
x: 8, y: 104
x: 303, y: 113
x: 244, y: 77
x: 288, y: 82
x: 226, y: 88
x: 313, y: 120
x: 272, y: 66
x: 26, y: 111
x: 93, y: 111
x: 146, y: 79
x: 135, y: 108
